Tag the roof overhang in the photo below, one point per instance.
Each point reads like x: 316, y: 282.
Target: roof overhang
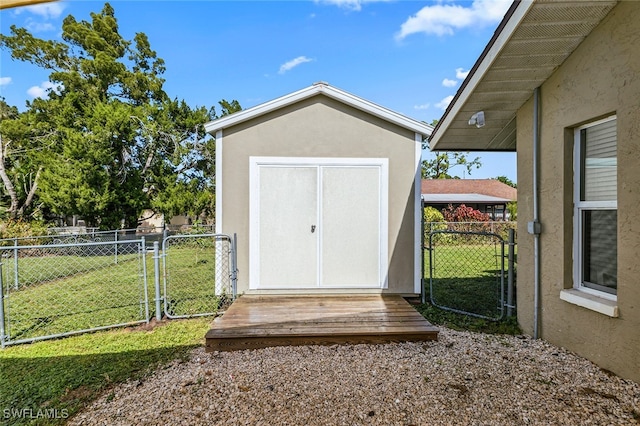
x: 532, y: 41
x: 5, y: 4
x: 327, y: 90
x: 463, y: 198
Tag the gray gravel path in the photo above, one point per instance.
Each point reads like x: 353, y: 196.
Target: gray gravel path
x: 462, y: 379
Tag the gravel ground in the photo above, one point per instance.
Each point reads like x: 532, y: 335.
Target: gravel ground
x: 462, y: 379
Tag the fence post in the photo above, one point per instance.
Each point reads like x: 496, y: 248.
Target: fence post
x: 156, y: 277
x: 2, y: 329
x: 15, y: 264
x: 234, y: 267
x: 115, y: 250
x: 512, y: 245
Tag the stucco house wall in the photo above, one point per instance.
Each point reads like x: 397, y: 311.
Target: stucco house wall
x: 600, y: 78
x: 321, y: 126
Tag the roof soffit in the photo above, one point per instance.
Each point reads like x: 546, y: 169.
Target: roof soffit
x: 533, y: 40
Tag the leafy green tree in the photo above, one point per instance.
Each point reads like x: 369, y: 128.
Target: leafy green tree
x: 506, y: 181
x: 440, y: 166
x: 18, y: 172
x: 113, y: 143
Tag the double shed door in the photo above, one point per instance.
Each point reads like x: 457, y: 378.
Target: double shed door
x: 318, y: 224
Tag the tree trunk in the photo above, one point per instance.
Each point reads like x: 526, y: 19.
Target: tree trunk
x: 8, y: 185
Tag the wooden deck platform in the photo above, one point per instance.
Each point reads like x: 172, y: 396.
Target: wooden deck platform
x: 254, y: 321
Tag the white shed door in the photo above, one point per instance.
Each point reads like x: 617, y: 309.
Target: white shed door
x: 350, y: 226
x: 288, y: 211
x: 318, y: 225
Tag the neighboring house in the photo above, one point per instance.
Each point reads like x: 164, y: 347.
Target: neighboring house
x: 489, y: 196
x: 323, y: 190
x: 560, y: 84
x: 149, y: 219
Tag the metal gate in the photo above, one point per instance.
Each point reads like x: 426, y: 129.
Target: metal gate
x: 199, y: 273
x: 467, y: 273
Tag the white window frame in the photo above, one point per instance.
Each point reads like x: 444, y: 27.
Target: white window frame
x: 578, y: 208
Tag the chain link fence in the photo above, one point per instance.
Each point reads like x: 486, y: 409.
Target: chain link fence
x: 58, y: 285
x: 60, y: 289
x: 469, y: 272
x: 199, y: 274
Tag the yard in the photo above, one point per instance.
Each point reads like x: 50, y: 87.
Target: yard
x: 465, y: 273
x: 63, y: 292
x: 121, y: 375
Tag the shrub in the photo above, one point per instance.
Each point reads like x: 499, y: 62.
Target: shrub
x: 512, y: 208
x: 463, y: 213
x: 21, y: 229
x: 431, y: 214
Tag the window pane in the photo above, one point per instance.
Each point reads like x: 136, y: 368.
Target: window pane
x: 600, y: 250
x: 599, y: 164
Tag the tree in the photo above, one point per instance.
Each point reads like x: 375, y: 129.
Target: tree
x: 506, y: 181
x: 113, y: 143
x: 440, y: 166
x: 17, y: 170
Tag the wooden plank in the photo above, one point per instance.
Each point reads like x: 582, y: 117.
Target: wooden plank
x: 262, y: 321
x: 242, y: 344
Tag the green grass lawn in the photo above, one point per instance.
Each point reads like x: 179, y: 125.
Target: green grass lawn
x: 465, y: 277
x: 84, y: 292
x: 69, y: 293
x: 190, y: 279
x: 66, y: 374
x: 41, y: 269
x: 96, y: 297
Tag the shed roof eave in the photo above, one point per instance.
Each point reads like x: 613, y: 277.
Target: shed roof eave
x: 418, y: 127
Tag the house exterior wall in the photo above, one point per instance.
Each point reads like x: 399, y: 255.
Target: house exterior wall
x: 601, y: 77
x: 322, y: 127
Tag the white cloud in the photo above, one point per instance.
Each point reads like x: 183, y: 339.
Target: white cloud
x: 449, y: 83
x: 39, y: 27
x: 39, y: 15
x: 445, y: 19
x: 42, y: 91
x: 287, y: 66
x: 45, y: 10
x: 423, y: 106
x: 443, y: 104
x: 5, y: 80
x: 355, y: 5
x: 461, y: 74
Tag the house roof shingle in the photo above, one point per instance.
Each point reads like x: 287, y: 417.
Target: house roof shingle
x: 459, y: 189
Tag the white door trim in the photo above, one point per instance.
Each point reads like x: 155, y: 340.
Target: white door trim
x: 255, y: 163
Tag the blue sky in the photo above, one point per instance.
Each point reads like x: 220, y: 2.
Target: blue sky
x: 409, y: 56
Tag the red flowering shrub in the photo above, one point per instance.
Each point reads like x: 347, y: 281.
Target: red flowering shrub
x: 463, y: 213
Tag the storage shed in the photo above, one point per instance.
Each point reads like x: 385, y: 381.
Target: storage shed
x: 322, y: 189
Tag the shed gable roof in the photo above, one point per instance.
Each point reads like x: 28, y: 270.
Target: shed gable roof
x: 329, y: 91
x: 531, y: 42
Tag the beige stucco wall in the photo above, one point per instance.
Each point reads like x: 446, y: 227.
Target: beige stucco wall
x: 323, y: 127
x: 601, y: 77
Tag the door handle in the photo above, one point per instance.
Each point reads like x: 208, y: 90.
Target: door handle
x: 313, y: 229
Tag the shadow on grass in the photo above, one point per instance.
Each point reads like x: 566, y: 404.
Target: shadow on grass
x: 48, y: 390
x: 479, y: 295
